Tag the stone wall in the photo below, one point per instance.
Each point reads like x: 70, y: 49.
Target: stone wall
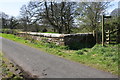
x: 78, y: 41
x: 58, y: 39
x: 73, y: 41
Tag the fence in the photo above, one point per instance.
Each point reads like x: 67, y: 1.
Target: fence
x: 111, y: 36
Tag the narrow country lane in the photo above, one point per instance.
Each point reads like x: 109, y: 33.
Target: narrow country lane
x: 46, y: 65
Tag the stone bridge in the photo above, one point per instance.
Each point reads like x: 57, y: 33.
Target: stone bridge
x: 74, y: 41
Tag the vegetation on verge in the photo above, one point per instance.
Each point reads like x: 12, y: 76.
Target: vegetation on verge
x: 9, y: 70
x: 104, y: 58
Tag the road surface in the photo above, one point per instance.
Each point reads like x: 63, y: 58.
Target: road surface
x: 45, y: 65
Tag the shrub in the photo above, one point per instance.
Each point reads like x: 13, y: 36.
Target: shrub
x: 79, y: 52
x: 64, y: 47
x: 44, y: 30
x: 44, y: 40
x: 9, y: 31
x: 51, y: 45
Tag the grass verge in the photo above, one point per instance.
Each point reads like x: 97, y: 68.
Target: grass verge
x: 9, y: 70
x: 104, y: 58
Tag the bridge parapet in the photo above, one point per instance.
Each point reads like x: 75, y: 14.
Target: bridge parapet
x: 74, y: 41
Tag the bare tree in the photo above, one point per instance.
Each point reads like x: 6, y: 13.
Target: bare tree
x: 57, y: 15
x: 31, y: 14
x: 4, y: 20
x: 90, y: 13
x: 13, y: 22
x: 60, y: 15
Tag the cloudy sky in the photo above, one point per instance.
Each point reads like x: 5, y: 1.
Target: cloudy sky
x: 12, y: 7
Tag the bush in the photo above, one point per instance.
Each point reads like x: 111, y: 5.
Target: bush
x: 79, y: 52
x: 51, y: 45
x: 44, y: 30
x: 64, y: 47
x: 9, y: 31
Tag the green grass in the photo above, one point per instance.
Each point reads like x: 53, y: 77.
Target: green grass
x: 7, y: 70
x: 104, y: 58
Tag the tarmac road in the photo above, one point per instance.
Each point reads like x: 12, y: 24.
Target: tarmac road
x: 45, y: 65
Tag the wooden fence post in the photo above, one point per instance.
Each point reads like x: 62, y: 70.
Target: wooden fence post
x: 102, y: 30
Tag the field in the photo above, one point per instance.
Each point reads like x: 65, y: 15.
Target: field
x: 103, y: 58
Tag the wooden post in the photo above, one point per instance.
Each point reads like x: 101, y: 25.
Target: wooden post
x: 102, y: 30
x: 109, y: 36
x: 93, y: 33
